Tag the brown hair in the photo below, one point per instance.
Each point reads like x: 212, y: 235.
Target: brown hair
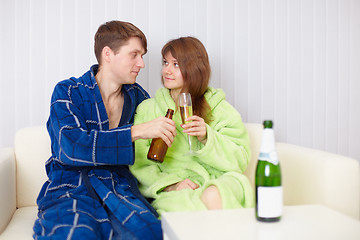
x: 194, y: 65
x: 115, y: 34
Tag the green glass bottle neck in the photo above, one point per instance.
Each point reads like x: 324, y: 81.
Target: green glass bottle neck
x: 268, y: 141
x: 268, y: 124
x: 268, y: 149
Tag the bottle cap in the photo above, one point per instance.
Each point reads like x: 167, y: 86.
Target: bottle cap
x: 268, y: 124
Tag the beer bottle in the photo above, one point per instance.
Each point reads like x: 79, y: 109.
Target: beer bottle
x: 269, y: 195
x: 158, y: 147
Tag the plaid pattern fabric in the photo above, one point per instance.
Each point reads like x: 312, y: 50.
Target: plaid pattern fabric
x: 90, y: 193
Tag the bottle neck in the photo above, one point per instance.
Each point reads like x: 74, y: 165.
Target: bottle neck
x: 169, y: 113
x: 268, y: 141
x: 268, y: 150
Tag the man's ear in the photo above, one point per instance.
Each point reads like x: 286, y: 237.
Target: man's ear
x: 106, y: 53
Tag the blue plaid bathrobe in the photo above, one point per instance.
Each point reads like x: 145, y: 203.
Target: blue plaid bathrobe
x: 90, y: 193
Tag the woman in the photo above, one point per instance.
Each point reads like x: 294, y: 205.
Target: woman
x: 212, y: 177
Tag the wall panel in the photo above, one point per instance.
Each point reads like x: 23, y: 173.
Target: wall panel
x: 255, y: 57
x: 319, y: 83
x: 267, y: 67
x: 296, y: 62
x: 7, y: 66
x: 344, y: 78
x: 354, y: 83
x: 227, y: 45
x: 241, y: 58
x: 306, y: 72
x: 281, y: 68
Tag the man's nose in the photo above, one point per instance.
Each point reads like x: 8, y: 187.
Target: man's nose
x: 141, y: 63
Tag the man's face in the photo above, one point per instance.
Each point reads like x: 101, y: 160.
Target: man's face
x: 125, y: 65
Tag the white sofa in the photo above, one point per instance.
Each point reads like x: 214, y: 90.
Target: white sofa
x: 309, y: 177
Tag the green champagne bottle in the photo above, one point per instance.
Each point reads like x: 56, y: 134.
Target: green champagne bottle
x: 269, y: 193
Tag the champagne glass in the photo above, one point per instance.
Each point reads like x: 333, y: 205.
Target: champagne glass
x: 186, y: 111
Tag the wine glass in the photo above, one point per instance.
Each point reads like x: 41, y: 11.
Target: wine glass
x: 186, y: 111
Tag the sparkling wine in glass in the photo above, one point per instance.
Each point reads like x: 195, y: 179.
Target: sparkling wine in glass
x: 186, y: 111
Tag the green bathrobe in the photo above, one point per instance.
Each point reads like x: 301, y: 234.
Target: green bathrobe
x: 220, y: 162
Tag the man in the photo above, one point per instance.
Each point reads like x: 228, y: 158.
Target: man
x: 90, y: 193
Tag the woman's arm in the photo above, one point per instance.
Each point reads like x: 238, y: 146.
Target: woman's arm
x: 228, y: 146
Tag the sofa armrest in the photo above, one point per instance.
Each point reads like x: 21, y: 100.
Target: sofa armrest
x: 316, y: 177
x: 7, y: 186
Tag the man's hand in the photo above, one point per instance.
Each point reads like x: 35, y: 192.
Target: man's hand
x: 160, y: 127
x: 185, y: 184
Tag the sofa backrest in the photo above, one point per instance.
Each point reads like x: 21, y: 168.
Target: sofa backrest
x: 255, y: 134
x: 32, y: 150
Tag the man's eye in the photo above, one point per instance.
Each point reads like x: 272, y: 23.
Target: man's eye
x: 134, y: 55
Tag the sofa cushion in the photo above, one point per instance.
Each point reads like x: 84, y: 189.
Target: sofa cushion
x: 21, y: 225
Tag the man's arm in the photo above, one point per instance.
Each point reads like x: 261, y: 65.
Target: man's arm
x: 160, y: 127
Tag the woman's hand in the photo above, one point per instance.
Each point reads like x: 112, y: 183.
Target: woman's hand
x: 197, y: 127
x: 185, y: 184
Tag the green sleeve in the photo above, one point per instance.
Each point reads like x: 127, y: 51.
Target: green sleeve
x: 228, y: 146
x: 148, y: 173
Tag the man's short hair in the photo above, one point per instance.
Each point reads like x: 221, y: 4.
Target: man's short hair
x: 115, y: 34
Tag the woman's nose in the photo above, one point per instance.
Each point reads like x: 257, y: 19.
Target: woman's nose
x: 166, y: 69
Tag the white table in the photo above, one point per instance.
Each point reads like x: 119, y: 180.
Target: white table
x: 298, y: 222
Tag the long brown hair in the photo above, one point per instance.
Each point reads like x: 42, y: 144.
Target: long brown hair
x: 194, y: 65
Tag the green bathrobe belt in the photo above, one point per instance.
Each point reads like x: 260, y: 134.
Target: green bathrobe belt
x: 220, y: 162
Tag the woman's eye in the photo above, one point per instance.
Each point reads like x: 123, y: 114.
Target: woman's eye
x: 176, y: 64
x: 165, y: 62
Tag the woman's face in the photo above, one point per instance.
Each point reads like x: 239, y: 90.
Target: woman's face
x: 171, y: 73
